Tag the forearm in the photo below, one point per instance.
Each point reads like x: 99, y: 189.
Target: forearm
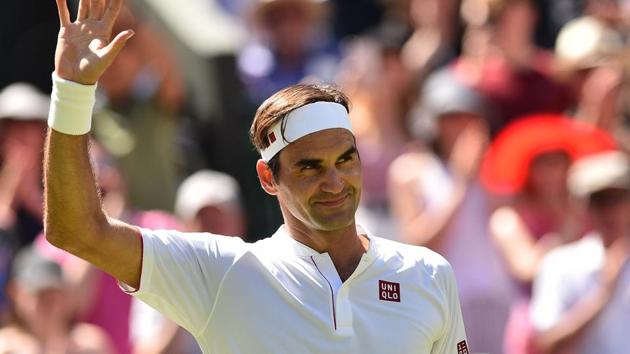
x: 73, y: 213
x: 426, y: 228
x: 571, y: 326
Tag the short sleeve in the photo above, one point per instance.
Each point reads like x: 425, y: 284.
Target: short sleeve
x: 453, y: 340
x: 547, y: 303
x: 182, y: 273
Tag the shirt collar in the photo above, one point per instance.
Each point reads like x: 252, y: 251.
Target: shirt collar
x: 294, y: 247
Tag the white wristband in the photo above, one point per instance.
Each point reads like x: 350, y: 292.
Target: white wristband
x: 71, y: 106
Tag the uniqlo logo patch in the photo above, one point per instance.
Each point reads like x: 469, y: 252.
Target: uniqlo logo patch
x: 388, y: 291
x: 462, y: 347
x: 271, y: 137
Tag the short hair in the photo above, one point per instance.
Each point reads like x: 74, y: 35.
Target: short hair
x: 282, y: 103
x: 286, y: 100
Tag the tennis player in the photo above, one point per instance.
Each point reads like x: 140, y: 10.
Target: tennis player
x: 320, y: 284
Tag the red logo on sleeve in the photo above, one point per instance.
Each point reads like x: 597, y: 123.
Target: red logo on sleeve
x: 388, y: 291
x: 462, y: 348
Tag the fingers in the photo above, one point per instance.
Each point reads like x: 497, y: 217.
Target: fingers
x: 64, y: 13
x: 97, y: 8
x: 111, y: 11
x: 84, y: 9
x: 116, y: 45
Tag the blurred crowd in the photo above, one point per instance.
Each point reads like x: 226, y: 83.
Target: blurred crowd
x: 496, y: 132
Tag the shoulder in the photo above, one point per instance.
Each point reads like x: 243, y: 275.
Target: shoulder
x: 176, y: 245
x: 194, y: 239
x: 419, y: 258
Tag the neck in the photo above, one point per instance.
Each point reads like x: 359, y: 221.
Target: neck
x: 344, y: 246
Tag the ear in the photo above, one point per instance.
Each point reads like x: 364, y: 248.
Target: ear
x: 265, y: 176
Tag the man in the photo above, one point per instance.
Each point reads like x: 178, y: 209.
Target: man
x: 42, y: 312
x: 318, y: 285
x: 580, y: 302
x: 210, y: 201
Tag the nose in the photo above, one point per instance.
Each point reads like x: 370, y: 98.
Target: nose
x: 333, y: 182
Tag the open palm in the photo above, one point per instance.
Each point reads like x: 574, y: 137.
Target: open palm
x: 84, y: 50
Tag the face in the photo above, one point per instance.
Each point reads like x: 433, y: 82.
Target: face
x: 548, y: 173
x: 452, y: 125
x: 41, y: 308
x: 610, y: 211
x: 319, y: 184
x: 220, y: 220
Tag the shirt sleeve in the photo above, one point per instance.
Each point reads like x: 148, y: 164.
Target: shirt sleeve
x: 182, y: 273
x: 453, y: 340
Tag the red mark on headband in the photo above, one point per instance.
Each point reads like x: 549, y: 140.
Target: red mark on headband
x: 271, y: 138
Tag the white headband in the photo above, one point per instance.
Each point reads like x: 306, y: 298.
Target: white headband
x: 305, y: 120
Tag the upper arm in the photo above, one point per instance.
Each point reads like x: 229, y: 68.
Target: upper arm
x: 454, y: 334
x: 118, y: 252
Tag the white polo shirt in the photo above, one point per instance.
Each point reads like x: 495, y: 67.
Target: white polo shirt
x: 279, y: 296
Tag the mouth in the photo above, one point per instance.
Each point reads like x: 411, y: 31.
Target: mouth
x: 334, y: 202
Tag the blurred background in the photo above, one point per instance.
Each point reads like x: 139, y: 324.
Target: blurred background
x: 473, y: 119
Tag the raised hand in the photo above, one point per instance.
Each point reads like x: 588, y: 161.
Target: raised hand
x: 468, y: 150
x: 84, y: 49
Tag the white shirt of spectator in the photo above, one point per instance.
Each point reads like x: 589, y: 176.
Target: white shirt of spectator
x: 280, y: 296
x: 567, y: 274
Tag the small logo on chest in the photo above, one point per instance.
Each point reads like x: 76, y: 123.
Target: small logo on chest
x: 388, y: 291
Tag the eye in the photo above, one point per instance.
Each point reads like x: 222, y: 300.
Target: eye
x: 308, y: 167
x: 346, y: 158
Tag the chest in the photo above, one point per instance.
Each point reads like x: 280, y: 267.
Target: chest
x: 303, y: 307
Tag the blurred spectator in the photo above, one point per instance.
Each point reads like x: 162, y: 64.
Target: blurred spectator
x: 289, y: 45
x: 502, y: 61
x: 207, y: 201
x: 439, y: 203
x: 23, y: 109
x: 143, y: 94
x: 23, y: 113
x: 435, y: 38
x: 534, y: 154
x: 377, y: 83
x: 540, y: 218
x: 42, y: 313
x: 590, y: 62
x: 580, y: 302
x: 586, y: 53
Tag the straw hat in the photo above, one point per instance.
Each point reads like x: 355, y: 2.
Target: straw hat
x: 585, y: 43
x: 598, y: 172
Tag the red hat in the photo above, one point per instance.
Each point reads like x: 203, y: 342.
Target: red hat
x: 505, y: 167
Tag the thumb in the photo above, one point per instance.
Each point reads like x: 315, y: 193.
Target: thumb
x: 114, y: 47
